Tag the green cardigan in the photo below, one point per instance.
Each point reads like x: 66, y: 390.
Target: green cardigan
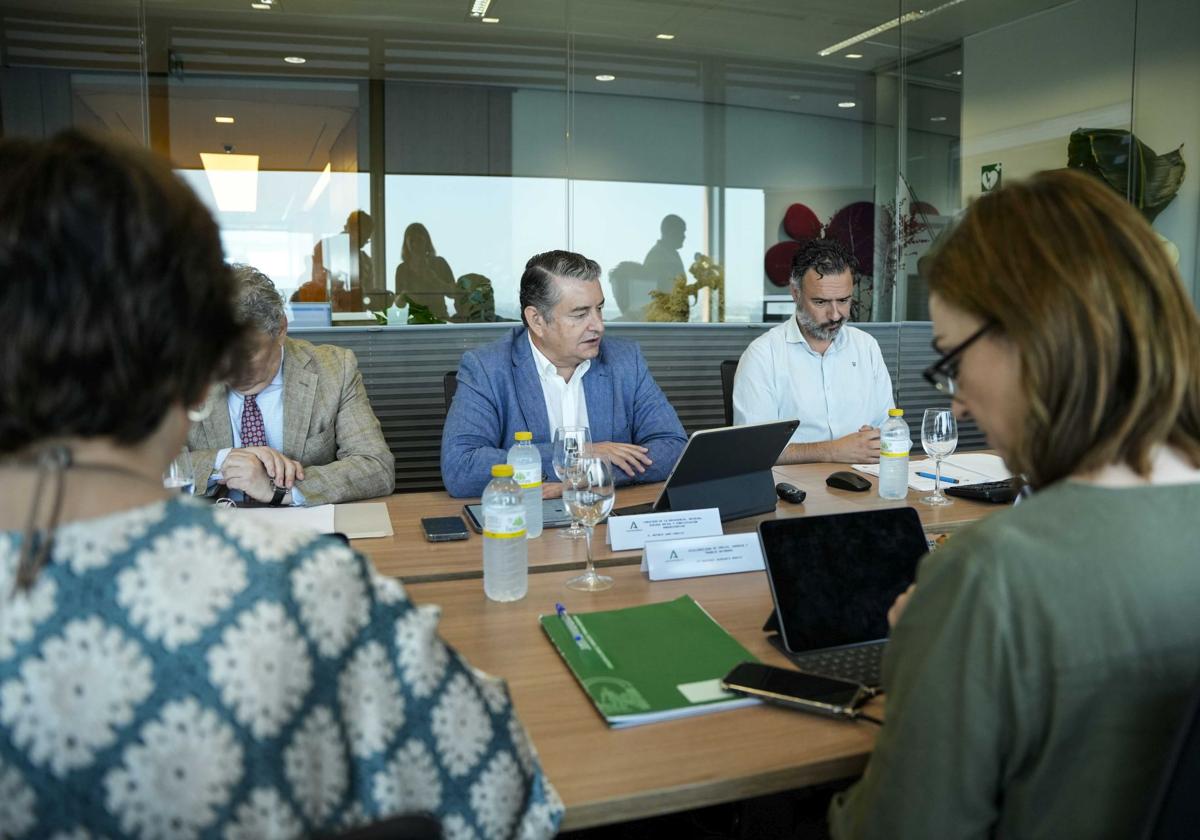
x: 1036, y: 680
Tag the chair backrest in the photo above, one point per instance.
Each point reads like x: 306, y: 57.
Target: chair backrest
x: 1176, y: 808
x: 449, y: 386
x: 404, y: 827
x: 728, y: 369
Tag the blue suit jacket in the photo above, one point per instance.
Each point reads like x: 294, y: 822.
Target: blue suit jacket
x: 499, y: 393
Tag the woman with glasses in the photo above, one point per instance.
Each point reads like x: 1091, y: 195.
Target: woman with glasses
x: 1039, y: 668
x: 167, y: 669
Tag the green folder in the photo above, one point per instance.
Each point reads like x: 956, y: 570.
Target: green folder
x: 650, y: 663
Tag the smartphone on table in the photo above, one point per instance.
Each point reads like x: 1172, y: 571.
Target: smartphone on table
x: 443, y: 528
x: 798, y: 690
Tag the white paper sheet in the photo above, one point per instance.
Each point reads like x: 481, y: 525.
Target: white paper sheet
x: 966, y: 468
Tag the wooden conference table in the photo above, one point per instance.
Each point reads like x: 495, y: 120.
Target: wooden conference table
x: 607, y: 776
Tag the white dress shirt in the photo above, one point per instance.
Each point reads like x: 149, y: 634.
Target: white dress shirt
x: 566, y: 404
x: 780, y: 377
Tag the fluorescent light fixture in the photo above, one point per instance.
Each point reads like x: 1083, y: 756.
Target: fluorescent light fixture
x: 847, y: 104
x: 853, y: 55
x: 262, y: 7
x: 224, y: 120
x: 318, y: 188
x: 795, y: 97
x: 605, y: 77
x: 910, y: 17
x: 491, y: 20
x: 233, y: 180
x: 479, y: 8
x: 294, y: 59
x: 665, y: 36
x: 937, y: 119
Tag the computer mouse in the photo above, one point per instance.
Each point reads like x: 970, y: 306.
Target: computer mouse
x: 846, y: 480
x: 790, y: 493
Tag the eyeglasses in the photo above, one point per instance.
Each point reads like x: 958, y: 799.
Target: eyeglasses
x: 943, y: 373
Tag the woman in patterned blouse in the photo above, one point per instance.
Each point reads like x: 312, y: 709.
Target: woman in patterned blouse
x: 168, y: 670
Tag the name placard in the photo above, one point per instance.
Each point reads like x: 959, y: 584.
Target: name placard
x: 700, y: 556
x: 630, y: 532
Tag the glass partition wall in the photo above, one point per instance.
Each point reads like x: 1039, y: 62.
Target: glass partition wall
x: 399, y: 162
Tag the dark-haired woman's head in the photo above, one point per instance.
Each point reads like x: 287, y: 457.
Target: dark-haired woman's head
x: 116, y: 305
x: 1086, y: 348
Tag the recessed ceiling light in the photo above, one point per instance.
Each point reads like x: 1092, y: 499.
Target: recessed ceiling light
x: 224, y: 120
x: 294, y: 59
x: 937, y: 119
x: 605, y: 77
x: 954, y: 73
x: 853, y: 55
x: 795, y: 97
x: 262, y: 7
x: 847, y: 104
x: 664, y: 36
x: 490, y: 20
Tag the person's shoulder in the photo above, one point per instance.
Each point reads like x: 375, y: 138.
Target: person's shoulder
x: 765, y: 341
x: 620, y: 352
x: 860, y: 337
x: 499, y: 350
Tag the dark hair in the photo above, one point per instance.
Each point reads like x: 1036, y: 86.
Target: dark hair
x: 537, y: 288
x: 115, y: 300
x: 1109, y: 342
x: 824, y: 256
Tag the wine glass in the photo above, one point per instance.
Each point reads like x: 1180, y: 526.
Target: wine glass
x: 589, y: 491
x: 179, y: 474
x: 569, y: 442
x: 939, y: 437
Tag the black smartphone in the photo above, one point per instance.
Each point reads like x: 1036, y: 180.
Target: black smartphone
x: 443, y: 528
x: 807, y: 692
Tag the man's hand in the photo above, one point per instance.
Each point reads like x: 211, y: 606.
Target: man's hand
x: 551, y: 490
x: 257, y: 470
x: 897, y: 608
x: 862, y: 447
x: 631, y: 458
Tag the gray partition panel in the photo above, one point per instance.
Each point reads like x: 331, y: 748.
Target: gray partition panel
x: 402, y: 369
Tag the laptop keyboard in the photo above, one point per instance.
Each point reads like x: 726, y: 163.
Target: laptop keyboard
x: 860, y: 664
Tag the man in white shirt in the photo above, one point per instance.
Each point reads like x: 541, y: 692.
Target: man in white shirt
x: 558, y: 370
x: 817, y: 368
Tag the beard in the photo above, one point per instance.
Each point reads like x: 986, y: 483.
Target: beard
x: 826, y: 331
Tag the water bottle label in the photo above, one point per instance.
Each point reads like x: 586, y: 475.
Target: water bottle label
x: 504, y: 526
x: 894, y: 449
x: 527, y: 477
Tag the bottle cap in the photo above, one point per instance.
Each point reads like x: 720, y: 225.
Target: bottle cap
x: 523, y: 436
x: 502, y: 471
x: 895, y: 412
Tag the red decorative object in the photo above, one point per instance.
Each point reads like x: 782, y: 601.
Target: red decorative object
x: 800, y: 222
x: 854, y: 227
x: 778, y: 262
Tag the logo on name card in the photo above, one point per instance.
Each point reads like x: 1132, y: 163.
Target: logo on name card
x: 674, y: 555
x: 633, y: 525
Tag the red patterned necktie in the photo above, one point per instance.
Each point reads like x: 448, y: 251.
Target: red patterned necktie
x: 254, y: 433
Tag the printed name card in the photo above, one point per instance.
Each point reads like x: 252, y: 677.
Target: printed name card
x: 672, y: 559
x: 629, y: 532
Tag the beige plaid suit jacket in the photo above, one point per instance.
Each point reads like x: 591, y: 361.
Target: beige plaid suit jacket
x: 328, y: 426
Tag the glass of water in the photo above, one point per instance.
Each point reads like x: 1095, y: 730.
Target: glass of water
x: 179, y: 474
x: 569, y: 443
x: 589, y: 492
x: 939, y: 438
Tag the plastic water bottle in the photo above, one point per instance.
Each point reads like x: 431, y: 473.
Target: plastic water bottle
x: 894, y: 444
x: 505, y: 552
x: 527, y: 471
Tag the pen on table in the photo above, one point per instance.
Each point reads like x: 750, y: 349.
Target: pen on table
x: 945, y: 479
x: 572, y: 628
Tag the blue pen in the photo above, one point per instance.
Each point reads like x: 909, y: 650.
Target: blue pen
x: 572, y: 628
x: 945, y: 479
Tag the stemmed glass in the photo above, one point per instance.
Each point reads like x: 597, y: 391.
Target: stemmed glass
x: 589, y: 491
x: 569, y: 443
x: 939, y: 437
x: 179, y: 474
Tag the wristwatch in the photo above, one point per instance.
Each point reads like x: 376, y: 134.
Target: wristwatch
x: 280, y: 492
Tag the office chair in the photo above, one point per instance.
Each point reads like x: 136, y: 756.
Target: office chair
x: 1176, y: 808
x: 449, y: 386
x: 403, y: 827
x: 728, y: 369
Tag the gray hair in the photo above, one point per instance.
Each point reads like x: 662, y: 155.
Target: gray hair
x: 537, y: 286
x: 257, y: 302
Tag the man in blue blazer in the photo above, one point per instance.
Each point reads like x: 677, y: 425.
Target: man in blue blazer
x: 555, y: 371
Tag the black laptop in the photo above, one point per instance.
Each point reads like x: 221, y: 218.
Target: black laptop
x: 833, y: 579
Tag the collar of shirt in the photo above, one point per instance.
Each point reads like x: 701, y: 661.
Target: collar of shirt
x: 546, y: 368
x: 795, y: 336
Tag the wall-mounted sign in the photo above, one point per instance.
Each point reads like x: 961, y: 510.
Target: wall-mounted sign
x: 989, y: 177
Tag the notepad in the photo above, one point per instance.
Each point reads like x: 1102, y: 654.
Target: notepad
x: 650, y: 663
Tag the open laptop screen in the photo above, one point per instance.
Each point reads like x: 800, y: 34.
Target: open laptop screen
x: 834, y: 577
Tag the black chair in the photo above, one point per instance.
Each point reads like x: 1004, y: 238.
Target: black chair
x: 449, y: 386
x: 405, y: 827
x: 1176, y: 808
x: 728, y: 369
